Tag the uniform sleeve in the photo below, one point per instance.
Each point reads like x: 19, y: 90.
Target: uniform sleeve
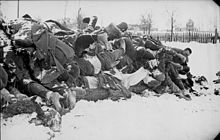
x: 3, y: 78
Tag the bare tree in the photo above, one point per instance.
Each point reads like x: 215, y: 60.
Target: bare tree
x: 143, y: 23
x: 18, y: 9
x: 172, y: 23
x: 149, y: 23
x: 146, y: 23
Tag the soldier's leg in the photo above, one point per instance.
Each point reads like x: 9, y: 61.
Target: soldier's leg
x: 175, y: 89
x: 38, y: 89
x: 175, y: 77
x: 171, y: 84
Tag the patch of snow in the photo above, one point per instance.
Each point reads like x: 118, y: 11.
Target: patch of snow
x: 19, y: 128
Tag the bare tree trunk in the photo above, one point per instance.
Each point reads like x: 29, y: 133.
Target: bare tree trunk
x: 171, y: 36
x: 149, y: 28
x: 189, y: 36
x: 18, y: 9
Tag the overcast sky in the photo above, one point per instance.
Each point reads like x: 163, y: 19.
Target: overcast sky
x: 204, y: 13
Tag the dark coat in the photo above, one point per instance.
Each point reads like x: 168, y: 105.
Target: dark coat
x: 83, y: 42
x: 138, y: 57
x: 182, y: 52
x: 3, y: 78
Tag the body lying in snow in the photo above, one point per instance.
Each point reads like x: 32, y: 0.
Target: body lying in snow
x: 127, y: 80
x: 110, y: 85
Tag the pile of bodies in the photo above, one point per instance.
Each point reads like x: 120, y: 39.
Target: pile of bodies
x: 61, y: 66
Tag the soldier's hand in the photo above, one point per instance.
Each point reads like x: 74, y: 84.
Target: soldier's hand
x: 21, y: 96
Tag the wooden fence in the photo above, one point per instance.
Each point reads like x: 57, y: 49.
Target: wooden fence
x: 185, y: 37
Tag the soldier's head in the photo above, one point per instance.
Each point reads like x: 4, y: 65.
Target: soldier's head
x: 188, y: 51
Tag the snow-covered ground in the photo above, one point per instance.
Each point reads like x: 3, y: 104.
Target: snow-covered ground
x: 152, y: 118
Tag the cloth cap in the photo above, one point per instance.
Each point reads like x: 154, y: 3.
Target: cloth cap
x: 86, y: 20
x: 113, y: 31
x: 123, y: 26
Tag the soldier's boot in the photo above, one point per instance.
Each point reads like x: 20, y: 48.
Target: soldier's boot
x: 55, y: 97
x: 71, y: 98
x: 186, y: 95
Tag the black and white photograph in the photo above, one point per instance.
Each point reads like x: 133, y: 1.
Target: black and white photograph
x: 109, y: 70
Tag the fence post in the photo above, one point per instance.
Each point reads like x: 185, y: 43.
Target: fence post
x: 182, y: 37
x: 206, y: 36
